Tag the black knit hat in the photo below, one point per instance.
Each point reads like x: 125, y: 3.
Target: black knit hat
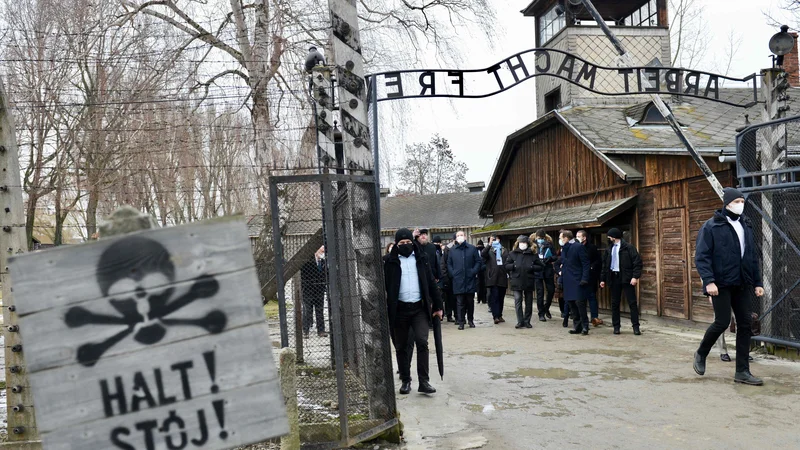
x: 403, y: 233
x: 480, y: 242
x: 615, y: 233
x: 437, y: 239
x: 522, y: 239
x: 730, y: 194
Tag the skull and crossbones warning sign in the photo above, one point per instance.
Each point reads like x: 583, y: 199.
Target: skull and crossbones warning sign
x: 127, y: 272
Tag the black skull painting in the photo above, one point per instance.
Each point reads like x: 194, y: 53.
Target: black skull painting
x: 136, y: 274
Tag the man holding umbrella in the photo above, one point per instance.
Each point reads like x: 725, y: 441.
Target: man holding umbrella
x: 414, y: 306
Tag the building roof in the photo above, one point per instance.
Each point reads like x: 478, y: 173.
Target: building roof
x: 607, y: 130
x: 432, y: 211
x: 583, y: 216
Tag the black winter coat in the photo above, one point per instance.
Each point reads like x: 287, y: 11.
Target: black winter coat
x: 595, y: 263
x: 314, y: 280
x: 463, y: 265
x: 496, y: 275
x: 718, y: 254
x: 392, y: 272
x: 574, y: 270
x: 430, y: 252
x: 522, y: 267
x: 445, y: 275
x: 630, y: 263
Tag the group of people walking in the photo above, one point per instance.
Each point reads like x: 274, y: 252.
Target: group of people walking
x: 426, y: 280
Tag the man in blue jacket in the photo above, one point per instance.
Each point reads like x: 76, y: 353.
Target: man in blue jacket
x: 727, y: 261
x: 574, y: 276
x: 463, y: 265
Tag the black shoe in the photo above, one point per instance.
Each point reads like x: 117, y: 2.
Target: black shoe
x: 725, y: 357
x: 749, y: 358
x: 636, y: 331
x: 585, y: 332
x: 747, y: 378
x: 461, y: 326
x: 549, y: 316
x: 574, y: 331
x: 450, y: 319
x: 616, y: 330
x: 542, y: 319
x: 528, y: 325
x: 565, y: 323
x: 700, y: 364
x: 471, y: 324
x: 405, y: 389
x: 426, y: 388
x: 519, y: 325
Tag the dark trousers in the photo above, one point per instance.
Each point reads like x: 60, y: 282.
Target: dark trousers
x: 591, y: 297
x: 410, y: 347
x: 466, y: 307
x: 411, y: 322
x: 542, y: 303
x: 523, y: 317
x: 313, y: 308
x: 617, y: 288
x: 497, y: 296
x: 482, y: 287
x: 449, y: 301
x: 735, y: 298
x: 580, y: 318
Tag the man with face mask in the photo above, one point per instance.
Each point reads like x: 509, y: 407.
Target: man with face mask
x: 727, y: 260
x: 412, y: 299
x: 463, y: 266
x: 622, y: 268
x: 594, y: 276
x: 574, y: 276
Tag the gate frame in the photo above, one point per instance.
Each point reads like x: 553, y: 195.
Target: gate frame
x: 334, y: 296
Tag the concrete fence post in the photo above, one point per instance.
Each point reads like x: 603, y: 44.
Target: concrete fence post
x: 288, y: 373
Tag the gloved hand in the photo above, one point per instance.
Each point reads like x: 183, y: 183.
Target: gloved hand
x: 584, y: 282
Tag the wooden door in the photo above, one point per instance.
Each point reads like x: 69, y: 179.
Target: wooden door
x: 673, y: 282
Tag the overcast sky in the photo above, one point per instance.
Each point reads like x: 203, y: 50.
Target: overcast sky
x: 477, y: 129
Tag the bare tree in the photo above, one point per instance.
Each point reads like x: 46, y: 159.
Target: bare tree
x: 432, y: 168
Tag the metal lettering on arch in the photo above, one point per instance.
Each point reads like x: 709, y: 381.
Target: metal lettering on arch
x: 612, y: 81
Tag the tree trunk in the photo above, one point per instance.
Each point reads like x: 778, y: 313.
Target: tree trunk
x: 30, y: 217
x: 91, y: 211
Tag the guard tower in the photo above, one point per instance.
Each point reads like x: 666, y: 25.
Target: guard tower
x: 642, y: 25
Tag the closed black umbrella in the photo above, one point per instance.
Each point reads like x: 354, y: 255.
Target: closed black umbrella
x: 437, y: 339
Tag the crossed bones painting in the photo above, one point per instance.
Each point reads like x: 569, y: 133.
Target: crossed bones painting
x: 137, y: 274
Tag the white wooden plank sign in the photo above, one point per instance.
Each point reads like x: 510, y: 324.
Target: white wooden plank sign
x: 153, y: 340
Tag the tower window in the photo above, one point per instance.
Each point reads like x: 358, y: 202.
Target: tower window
x: 552, y: 100
x: 551, y: 23
x: 646, y: 16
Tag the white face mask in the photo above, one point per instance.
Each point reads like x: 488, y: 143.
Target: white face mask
x: 523, y: 246
x: 460, y: 239
x: 736, y: 208
x: 563, y: 242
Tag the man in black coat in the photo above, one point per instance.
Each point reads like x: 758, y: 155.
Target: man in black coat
x: 594, y: 276
x: 574, y: 276
x: 314, y: 282
x: 726, y: 258
x: 463, y: 265
x: 622, y: 268
x: 447, y: 285
x: 423, y: 239
x: 481, y: 277
x: 412, y: 299
x: 522, y: 264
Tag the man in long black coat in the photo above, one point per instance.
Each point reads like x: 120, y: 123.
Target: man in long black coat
x: 622, y: 268
x: 574, y: 276
x: 726, y: 258
x: 412, y: 299
x: 314, y: 283
x: 595, y: 264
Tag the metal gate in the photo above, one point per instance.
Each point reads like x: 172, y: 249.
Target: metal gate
x: 768, y: 164
x: 332, y: 306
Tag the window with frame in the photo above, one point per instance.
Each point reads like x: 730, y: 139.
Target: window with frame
x: 552, y: 100
x: 551, y: 23
x: 652, y: 116
x: 646, y: 16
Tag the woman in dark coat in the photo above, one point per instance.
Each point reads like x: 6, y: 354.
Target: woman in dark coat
x: 546, y: 278
x: 522, y: 265
x: 494, y: 257
x: 574, y: 275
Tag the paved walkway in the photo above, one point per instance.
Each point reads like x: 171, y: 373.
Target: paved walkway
x: 543, y: 388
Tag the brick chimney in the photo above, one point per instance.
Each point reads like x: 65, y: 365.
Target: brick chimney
x: 791, y: 64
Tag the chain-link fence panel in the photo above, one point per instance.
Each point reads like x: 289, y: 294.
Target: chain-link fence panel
x: 768, y: 164
x: 335, y: 317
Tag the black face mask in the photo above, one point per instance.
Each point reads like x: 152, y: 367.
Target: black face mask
x: 405, y: 249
